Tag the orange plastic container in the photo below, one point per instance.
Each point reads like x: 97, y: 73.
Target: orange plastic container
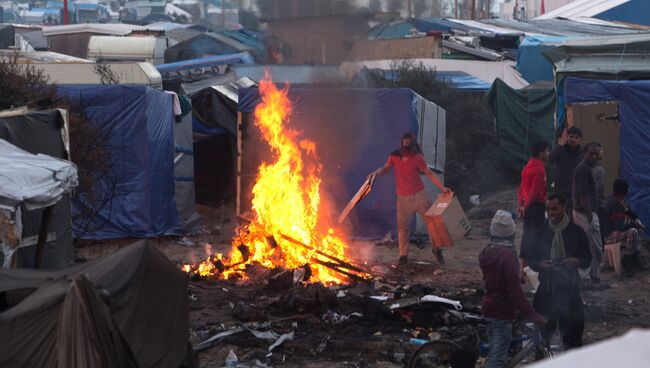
x: 446, y: 221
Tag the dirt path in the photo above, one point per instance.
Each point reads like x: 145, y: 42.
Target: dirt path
x: 219, y: 305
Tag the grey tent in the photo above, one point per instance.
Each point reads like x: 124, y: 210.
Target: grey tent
x: 28, y: 182
x: 45, y: 132
x: 128, y: 309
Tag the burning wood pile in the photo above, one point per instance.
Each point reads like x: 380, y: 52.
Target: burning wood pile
x: 287, y: 229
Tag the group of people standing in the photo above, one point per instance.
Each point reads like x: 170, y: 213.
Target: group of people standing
x: 562, y: 240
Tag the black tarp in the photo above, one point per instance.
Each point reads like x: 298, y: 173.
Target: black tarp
x: 145, y: 295
x: 6, y: 35
x: 41, y: 132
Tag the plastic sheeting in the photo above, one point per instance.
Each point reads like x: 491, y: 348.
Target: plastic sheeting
x: 147, y: 305
x: 522, y: 117
x: 355, y: 130
x: 531, y: 62
x: 42, y: 132
x: 37, y: 181
x: 634, y: 118
x: 139, y: 123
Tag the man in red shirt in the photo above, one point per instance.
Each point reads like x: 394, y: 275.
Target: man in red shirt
x: 532, y: 196
x: 409, y: 164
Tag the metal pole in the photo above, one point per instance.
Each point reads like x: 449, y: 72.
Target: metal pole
x: 65, y: 11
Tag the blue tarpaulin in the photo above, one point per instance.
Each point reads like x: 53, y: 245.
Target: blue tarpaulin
x: 139, y: 124
x: 634, y: 118
x: 531, y: 62
x: 355, y: 130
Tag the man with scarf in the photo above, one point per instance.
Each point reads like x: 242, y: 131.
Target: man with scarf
x: 409, y: 164
x: 503, y: 294
x: 561, y: 248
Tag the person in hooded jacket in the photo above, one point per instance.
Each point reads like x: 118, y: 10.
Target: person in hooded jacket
x: 566, y: 156
x: 561, y: 248
x: 503, y: 294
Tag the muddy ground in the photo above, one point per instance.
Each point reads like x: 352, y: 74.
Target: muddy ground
x: 375, y: 339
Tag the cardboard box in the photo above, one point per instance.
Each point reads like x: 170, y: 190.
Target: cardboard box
x: 446, y: 221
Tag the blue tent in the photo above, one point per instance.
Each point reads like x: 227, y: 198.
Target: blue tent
x: 139, y: 123
x: 355, y: 130
x: 531, y: 62
x: 634, y: 118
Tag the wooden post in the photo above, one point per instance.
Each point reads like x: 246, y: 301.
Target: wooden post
x: 473, y: 10
x: 456, y: 9
x: 239, y: 151
x: 42, y: 237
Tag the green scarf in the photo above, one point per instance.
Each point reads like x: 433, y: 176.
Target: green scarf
x: 557, y: 249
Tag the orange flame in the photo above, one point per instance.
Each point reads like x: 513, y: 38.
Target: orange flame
x: 286, y: 200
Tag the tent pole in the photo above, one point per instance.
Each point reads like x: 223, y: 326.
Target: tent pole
x: 42, y: 237
x: 239, y: 151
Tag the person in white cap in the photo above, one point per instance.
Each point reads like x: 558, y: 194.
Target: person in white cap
x: 503, y: 294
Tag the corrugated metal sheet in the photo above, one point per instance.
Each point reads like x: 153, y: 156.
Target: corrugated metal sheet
x: 583, y: 8
x: 564, y: 27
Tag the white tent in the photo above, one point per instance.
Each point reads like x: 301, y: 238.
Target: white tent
x: 631, y: 350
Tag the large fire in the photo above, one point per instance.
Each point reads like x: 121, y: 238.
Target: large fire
x: 287, y: 230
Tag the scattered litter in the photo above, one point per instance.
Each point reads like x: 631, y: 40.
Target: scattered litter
x: 279, y: 341
x: 422, y: 262
x: 415, y: 341
x: 264, y: 335
x: 194, y: 297
x: 209, y: 342
x: 436, y: 299
x: 340, y: 294
x: 231, y: 360
x: 379, y: 297
x: 217, y: 230
x: 186, y: 242
x: 438, y: 272
x: 475, y: 200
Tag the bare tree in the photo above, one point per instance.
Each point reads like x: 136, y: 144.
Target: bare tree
x: 90, y: 149
x: 21, y: 83
x: 395, y: 6
x: 103, y: 70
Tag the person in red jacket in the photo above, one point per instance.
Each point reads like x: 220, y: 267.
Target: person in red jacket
x: 503, y: 294
x: 532, y: 196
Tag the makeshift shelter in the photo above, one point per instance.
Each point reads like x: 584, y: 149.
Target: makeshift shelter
x: 29, y: 182
x: 617, y: 114
x: 42, y: 132
x: 627, y: 351
x: 215, y: 128
x: 6, y: 36
x: 531, y: 62
x: 522, y: 117
x: 486, y: 71
x: 139, y: 124
x: 128, y: 309
x: 202, y: 45
x: 354, y: 130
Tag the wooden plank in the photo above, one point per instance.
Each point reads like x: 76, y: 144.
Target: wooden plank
x: 366, y: 187
x: 42, y: 237
x: 239, y: 153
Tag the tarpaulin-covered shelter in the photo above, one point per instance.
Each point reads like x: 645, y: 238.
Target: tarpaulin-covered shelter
x: 354, y: 130
x: 627, y: 351
x: 617, y: 114
x: 42, y: 132
x: 128, y: 309
x: 204, y: 44
x: 214, y: 102
x: 28, y: 182
x: 139, y: 124
x: 522, y: 117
